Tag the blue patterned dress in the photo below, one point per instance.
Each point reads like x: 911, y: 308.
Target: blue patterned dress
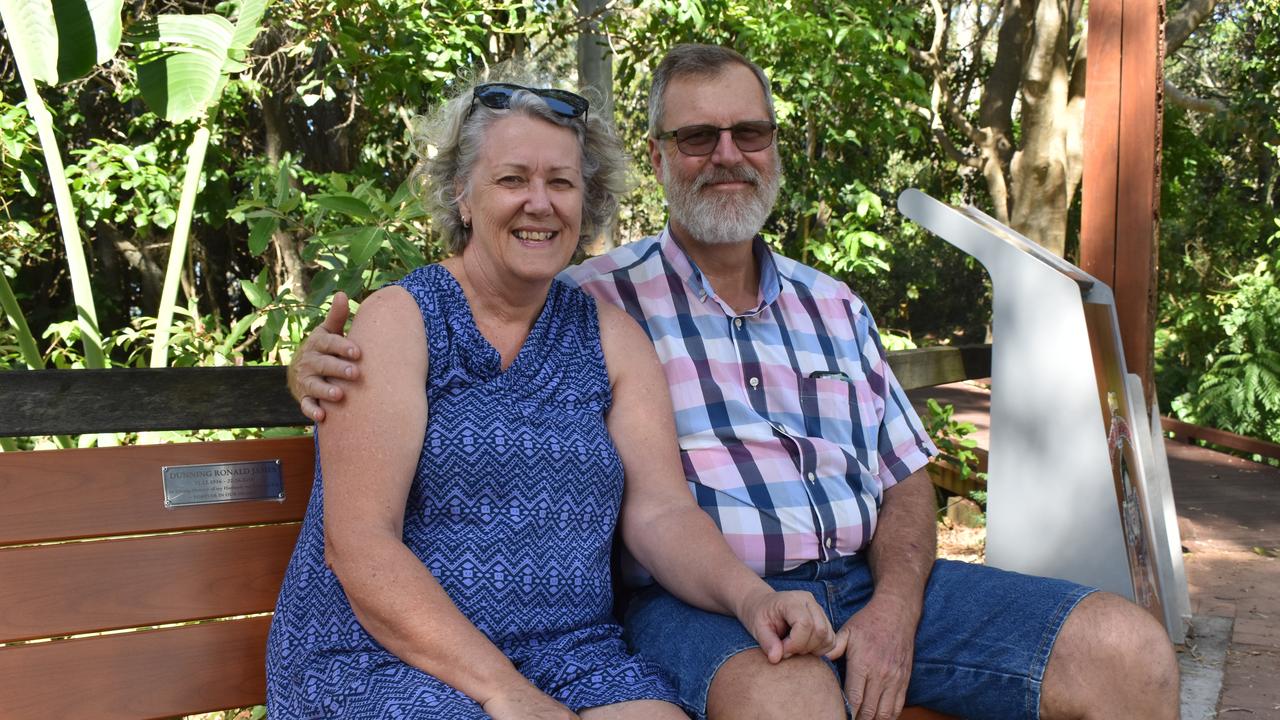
x: 512, y: 508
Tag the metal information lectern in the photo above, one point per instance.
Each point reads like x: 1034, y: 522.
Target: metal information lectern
x: 1078, y: 483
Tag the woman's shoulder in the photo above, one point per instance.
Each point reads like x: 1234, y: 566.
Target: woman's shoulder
x: 387, y: 310
x: 622, y: 339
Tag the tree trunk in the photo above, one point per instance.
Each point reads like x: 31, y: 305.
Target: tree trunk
x: 1033, y: 175
x: 149, y: 273
x: 290, y: 270
x: 595, y: 71
x: 995, y: 114
x: 1039, y: 170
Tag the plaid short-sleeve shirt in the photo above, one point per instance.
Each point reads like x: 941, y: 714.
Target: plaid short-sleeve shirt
x: 791, y: 424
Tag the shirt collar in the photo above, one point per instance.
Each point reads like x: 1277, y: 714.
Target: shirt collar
x: 687, y: 270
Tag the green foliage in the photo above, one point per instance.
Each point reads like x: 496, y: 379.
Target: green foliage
x: 303, y: 190
x: 851, y: 246
x: 1217, y: 324
x: 956, y: 449
x: 60, y: 41
x: 18, y: 151
x: 1239, y: 391
x: 304, y: 187
x: 952, y: 438
x: 46, y: 48
x: 130, y: 187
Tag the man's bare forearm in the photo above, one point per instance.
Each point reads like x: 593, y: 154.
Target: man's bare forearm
x: 906, y: 541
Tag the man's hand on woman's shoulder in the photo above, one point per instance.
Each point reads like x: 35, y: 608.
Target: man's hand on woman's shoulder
x: 326, y: 353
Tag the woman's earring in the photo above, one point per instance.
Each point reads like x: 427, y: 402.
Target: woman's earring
x: 466, y: 223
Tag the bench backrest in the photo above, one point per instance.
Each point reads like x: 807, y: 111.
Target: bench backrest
x: 106, y: 581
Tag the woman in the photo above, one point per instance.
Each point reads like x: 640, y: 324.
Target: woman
x: 454, y: 561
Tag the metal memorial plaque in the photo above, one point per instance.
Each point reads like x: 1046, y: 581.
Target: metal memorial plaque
x: 222, y: 483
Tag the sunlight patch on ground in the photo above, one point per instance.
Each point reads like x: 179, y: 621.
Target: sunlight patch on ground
x: 966, y: 544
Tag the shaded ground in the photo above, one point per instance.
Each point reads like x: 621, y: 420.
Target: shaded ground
x: 1229, y: 516
x: 956, y: 542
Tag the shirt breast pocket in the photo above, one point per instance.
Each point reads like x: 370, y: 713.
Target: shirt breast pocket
x: 839, y: 410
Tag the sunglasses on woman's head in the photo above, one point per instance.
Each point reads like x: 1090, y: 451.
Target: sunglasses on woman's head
x: 498, y: 97
x: 699, y: 140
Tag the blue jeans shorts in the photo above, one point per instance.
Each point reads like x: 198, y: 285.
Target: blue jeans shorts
x: 980, y: 651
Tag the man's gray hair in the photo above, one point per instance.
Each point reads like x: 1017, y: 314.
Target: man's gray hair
x: 448, y: 143
x: 689, y: 59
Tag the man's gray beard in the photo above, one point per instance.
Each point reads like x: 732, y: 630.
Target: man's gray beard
x: 732, y: 218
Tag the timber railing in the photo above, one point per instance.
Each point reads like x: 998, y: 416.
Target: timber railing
x: 1187, y: 433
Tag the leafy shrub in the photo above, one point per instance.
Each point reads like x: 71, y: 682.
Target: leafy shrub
x: 1239, y: 390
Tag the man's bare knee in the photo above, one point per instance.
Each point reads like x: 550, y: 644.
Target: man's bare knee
x: 1111, y: 659
x: 748, y: 687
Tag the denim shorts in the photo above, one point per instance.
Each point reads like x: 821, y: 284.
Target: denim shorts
x: 980, y: 651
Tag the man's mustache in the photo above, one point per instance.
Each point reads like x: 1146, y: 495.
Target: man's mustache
x: 740, y: 173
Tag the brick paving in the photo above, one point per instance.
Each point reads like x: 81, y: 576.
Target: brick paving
x: 1229, y: 517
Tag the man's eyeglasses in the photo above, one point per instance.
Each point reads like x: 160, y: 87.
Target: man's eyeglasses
x: 698, y: 140
x: 561, y: 102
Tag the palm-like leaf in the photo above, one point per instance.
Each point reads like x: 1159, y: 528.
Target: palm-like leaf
x: 55, y: 42
x: 182, y: 77
x: 191, y: 58
x: 248, y: 22
x: 182, y: 71
x: 33, y: 34
x: 88, y: 34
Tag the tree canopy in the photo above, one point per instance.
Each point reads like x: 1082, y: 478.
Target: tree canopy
x: 302, y: 189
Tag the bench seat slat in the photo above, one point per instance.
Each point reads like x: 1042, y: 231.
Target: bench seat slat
x: 63, y: 494
x: 73, y: 588
x: 146, y: 674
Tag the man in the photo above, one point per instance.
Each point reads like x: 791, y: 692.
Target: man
x: 799, y: 442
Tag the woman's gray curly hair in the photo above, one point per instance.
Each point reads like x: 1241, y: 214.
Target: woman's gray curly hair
x: 456, y: 132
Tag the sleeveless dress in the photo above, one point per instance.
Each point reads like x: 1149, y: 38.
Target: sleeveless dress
x: 512, y: 508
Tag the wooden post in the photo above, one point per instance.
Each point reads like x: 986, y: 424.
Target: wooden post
x: 1121, y: 185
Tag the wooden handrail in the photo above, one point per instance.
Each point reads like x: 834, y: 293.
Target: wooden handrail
x: 74, y: 402
x: 1187, y: 433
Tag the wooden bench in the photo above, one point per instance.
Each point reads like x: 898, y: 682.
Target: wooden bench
x: 100, y: 582
x: 113, y: 605
x: 88, y: 546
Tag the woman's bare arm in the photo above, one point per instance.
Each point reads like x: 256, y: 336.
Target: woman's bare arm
x: 369, y: 450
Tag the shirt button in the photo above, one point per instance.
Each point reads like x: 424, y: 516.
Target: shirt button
x: 737, y: 322
x: 830, y: 542
x: 812, y: 478
x: 755, y: 382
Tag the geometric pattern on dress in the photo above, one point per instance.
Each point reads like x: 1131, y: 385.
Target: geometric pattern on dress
x: 512, y: 509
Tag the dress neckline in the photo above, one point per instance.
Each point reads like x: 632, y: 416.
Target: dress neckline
x: 490, y: 357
